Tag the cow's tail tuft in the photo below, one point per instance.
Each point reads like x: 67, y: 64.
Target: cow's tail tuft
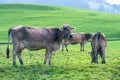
x: 7, y: 50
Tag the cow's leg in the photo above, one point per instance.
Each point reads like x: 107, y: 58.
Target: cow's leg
x: 14, y: 53
x: 66, y: 47
x: 19, y: 57
x: 96, y: 60
x: 14, y: 57
x: 49, y: 56
x: 46, y: 56
x: 81, y: 46
x: 102, y: 54
x: 17, y: 49
x: 63, y: 46
x: 94, y: 56
x: 93, y: 59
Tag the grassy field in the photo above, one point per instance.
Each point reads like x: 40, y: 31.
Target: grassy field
x: 44, y: 16
x: 72, y: 65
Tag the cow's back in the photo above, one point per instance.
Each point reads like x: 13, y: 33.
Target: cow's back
x: 99, y: 41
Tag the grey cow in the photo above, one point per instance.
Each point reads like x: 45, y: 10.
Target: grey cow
x: 98, y: 45
x: 35, y: 39
x: 80, y: 37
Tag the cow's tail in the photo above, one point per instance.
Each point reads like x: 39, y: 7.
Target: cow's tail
x: 100, y: 38
x: 7, y: 50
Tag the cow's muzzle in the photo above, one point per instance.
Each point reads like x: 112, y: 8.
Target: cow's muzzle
x: 70, y: 36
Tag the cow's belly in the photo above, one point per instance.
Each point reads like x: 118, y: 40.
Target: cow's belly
x: 55, y: 47
x: 33, y: 45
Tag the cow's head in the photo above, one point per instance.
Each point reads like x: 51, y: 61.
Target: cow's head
x: 69, y: 27
x: 94, y: 57
x: 66, y: 31
x: 88, y: 36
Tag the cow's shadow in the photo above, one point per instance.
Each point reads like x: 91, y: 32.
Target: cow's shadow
x: 35, y: 72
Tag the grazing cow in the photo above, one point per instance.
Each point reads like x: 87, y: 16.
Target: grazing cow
x: 81, y: 38
x: 35, y: 39
x: 98, y: 45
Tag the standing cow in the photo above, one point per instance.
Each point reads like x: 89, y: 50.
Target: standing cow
x: 35, y: 39
x: 98, y: 45
x: 81, y: 38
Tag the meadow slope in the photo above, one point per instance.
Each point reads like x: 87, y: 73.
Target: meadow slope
x: 72, y: 65
x: 56, y: 16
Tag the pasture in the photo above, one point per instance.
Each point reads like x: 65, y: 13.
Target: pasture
x: 46, y: 16
x: 72, y: 65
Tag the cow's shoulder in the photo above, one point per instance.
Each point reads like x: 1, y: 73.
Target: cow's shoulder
x: 57, y: 33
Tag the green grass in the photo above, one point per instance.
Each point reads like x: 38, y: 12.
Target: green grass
x: 45, y: 16
x: 72, y: 65
x: 27, y: 7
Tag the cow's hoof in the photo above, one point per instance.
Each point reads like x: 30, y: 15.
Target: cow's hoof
x: 67, y: 50
x: 103, y: 62
x: 44, y: 63
x: 15, y: 66
x: 49, y: 63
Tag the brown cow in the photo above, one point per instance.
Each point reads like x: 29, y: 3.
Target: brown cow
x: 35, y: 39
x: 81, y: 38
x: 98, y: 45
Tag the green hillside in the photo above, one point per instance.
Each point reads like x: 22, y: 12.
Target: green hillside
x: 45, y: 16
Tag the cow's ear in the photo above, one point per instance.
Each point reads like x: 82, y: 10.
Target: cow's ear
x: 73, y: 28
